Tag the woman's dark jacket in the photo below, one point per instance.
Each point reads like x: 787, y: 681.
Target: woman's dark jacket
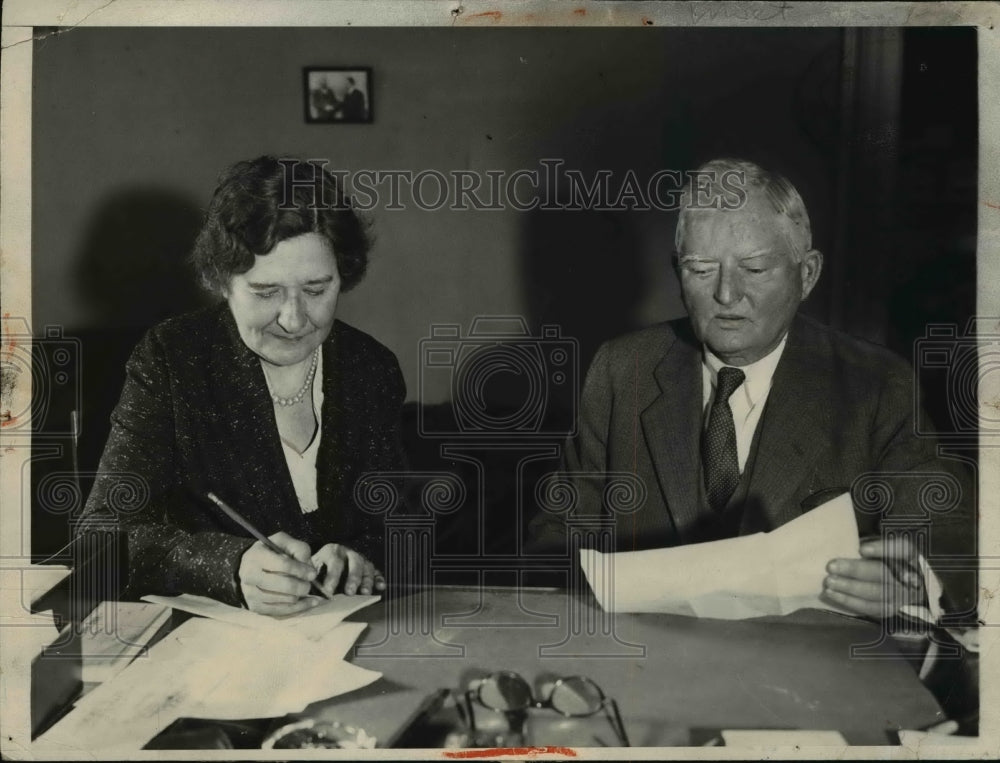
x: 195, y: 416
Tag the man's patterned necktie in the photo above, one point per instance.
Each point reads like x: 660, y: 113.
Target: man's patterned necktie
x: 718, y: 443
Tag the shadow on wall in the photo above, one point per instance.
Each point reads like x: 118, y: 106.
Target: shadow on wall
x: 132, y: 272
x: 582, y: 272
x: 131, y: 268
x: 940, y: 292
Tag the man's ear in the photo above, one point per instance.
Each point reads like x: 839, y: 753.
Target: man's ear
x: 810, y: 267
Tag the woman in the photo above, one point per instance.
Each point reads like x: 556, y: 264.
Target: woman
x: 264, y: 400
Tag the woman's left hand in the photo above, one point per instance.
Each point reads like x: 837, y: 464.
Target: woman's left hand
x: 361, y: 575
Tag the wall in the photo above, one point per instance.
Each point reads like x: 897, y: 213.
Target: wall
x: 131, y: 128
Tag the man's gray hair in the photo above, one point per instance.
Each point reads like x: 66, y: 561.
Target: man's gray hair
x: 719, y: 178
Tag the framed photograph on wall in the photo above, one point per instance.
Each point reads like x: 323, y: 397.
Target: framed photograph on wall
x: 340, y: 94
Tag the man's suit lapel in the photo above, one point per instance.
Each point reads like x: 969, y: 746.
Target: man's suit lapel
x: 239, y: 392
x: 797, y: 411
x: 672, y: 428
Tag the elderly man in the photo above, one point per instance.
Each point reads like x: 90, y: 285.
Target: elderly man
x: 745, y: 415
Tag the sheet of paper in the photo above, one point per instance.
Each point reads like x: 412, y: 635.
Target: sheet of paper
x: 213, y: 640
x: 268, y: 675
x: 782, y: 738
x: 312, y: 623
x: 800, y: 550
x: 764, y: 574
x: 210, y: 669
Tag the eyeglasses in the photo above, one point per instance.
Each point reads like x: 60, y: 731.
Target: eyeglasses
x: 573, y: 697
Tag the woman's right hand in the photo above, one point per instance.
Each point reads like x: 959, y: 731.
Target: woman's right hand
x: 273, y: 584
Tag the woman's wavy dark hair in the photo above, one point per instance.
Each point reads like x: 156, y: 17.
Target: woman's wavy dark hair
x: 265, y: 201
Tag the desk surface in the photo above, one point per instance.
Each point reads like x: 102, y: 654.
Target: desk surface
x: 669, y: 674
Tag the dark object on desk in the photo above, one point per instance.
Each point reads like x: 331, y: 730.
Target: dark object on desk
x: 208, y: 738
x: 198, y: 733
x: 56, y: 680
x: 955, y: 684
x: 430, y: 723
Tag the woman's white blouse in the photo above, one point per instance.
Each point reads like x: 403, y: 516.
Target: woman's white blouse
x: 302, y: 466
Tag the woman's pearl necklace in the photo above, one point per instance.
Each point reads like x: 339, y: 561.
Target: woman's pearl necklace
x: 300, y: 395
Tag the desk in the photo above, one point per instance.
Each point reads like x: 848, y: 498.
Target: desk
x: 669, y: 674
x: 675, y: 678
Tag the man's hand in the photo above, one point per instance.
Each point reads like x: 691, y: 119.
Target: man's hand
x: 877, y: 585
x: 359, y: 575
x: 273, y: 584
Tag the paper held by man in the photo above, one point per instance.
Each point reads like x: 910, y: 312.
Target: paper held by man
x: 772, y: 573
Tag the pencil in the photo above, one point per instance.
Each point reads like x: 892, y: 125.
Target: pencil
x: 74, y: 421
x: 242, y: 521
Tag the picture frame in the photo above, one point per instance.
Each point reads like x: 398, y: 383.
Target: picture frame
x: 338, y: 94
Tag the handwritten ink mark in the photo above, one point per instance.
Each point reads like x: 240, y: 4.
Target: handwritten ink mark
x: 738, y: 11
x: 57, y: 31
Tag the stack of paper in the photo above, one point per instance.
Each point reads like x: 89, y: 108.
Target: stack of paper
x: 114, y: 634
x: 311, y: 623
x: 214, y: 668
x: 771, y: 573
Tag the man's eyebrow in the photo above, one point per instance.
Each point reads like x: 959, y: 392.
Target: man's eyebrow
x: 741, y: 258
